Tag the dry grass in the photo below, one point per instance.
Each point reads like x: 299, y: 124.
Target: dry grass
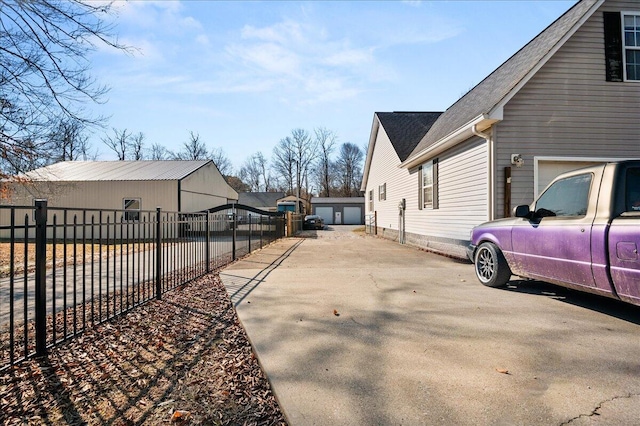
x: 84, y: 253
x: 182, y: 360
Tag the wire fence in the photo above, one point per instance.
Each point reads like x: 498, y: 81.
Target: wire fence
x: 63, y: 270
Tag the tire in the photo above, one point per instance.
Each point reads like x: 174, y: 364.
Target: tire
x: 491, y: 267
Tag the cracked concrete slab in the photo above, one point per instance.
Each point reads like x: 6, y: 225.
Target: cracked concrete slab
x: 617, y: 411
x: 358, y: 330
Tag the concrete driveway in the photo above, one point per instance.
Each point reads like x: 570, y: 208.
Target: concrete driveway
x: 355, y: 330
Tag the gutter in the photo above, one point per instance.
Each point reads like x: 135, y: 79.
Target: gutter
x: 490, y: 171
x: 464, y: 132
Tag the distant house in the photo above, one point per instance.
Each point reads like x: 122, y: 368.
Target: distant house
x: 567, y: 99
x: 339, y: 210
x: 267, y: 201
x: 180, y: 186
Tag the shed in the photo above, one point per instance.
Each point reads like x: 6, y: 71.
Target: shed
x: 339, y: 210
x: 567, y: 99
x: 180, y: 186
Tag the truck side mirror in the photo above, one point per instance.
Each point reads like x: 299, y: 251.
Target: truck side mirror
x: 522, y: 211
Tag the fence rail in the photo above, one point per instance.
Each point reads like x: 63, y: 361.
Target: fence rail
x: 63, y: 270
x: 371, y: 224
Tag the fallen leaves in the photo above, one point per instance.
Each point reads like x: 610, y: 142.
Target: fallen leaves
x: 186, y: 354
x: 502, y: 371
x: 336, y: 313
x: 180, y: 416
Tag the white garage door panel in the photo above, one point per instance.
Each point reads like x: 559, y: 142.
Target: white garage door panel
x: 352, y: 216
x: 326, y: 213
x: 549, y: 170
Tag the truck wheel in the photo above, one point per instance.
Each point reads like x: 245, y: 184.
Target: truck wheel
x: 491, y: 267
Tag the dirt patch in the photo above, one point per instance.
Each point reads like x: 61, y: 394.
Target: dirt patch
x: 182, y: 360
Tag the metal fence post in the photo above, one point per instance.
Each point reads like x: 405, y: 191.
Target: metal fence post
x: 207, y: 250
x: 249, y: 232
x: 158, y: 255
x: 41, y: 265
x: 233, y: 242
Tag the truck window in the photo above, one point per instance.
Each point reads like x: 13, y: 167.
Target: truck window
x: 633, y: 189
x: 566, y: 197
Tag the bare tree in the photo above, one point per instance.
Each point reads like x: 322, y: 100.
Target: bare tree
x: 349, y: 166
x: 221, y: 161
x: 193, y: 149
x: 136, y: 145
x: 325, y: 141
x: 255, y: 173
x: 159, y: 152
x: 283, y: 163
x: 120, y: 143
x: 44, y: 72
x: 237, y: 184
x: 305, y: 150
x: 68, y: 142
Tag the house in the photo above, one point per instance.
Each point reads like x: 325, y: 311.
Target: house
x: 180, y: 186
x: 339, y: 210
x: 567, y: 99
x: 267, y: 201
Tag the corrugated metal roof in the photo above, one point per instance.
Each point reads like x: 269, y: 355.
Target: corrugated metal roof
x: 81, y: 171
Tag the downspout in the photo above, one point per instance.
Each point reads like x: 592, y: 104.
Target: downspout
x: 491, y: 174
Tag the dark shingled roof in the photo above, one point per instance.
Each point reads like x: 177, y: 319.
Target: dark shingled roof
x: 494, y: 88
x: 260, y: 199
x: 406, y: 129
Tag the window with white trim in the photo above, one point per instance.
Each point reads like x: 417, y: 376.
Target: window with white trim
x: 382, y: 192
x: 132, y: 207
x: 371, y: 200
x: 631, y: 45
x: 428, y: 185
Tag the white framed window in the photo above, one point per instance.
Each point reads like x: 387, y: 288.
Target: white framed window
x: 382, y: 192
x: 371, y: 200
x: 132, y: 207
x: 428, y: 185
x: 631, y: 45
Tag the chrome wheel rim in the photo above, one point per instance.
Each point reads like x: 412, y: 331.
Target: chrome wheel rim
x: 485, y: 265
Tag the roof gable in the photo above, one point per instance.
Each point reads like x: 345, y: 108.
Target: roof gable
x: 501, y: 84
x: 81, y: 171
x: 406, y: 129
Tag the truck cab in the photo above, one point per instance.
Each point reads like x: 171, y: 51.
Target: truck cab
x: 582, y: 232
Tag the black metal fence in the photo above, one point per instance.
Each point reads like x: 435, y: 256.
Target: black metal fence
x: 63, y: 270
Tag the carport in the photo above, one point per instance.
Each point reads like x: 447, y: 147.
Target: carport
x: 360, y: 330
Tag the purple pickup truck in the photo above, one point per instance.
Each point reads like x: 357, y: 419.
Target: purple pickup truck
x: 582, y: 232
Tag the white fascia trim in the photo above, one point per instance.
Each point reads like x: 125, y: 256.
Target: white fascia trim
x: 483, y: 122
x: 375, y: 126
x: 549, y: 54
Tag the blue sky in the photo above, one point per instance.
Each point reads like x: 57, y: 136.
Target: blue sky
x: 243, y: 74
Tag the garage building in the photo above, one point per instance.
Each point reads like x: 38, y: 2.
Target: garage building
x: 339, y: 210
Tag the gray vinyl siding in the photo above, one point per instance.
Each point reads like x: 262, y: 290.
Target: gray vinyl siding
x: 568, y: 109
x: 463, y: 193
x: 400, y: 184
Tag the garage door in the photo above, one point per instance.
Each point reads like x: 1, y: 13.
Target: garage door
x: 352, y: 216
x: 548, y: 170
x: 326, y: 213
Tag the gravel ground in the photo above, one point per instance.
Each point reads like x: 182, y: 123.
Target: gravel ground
x: 182, y: 360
